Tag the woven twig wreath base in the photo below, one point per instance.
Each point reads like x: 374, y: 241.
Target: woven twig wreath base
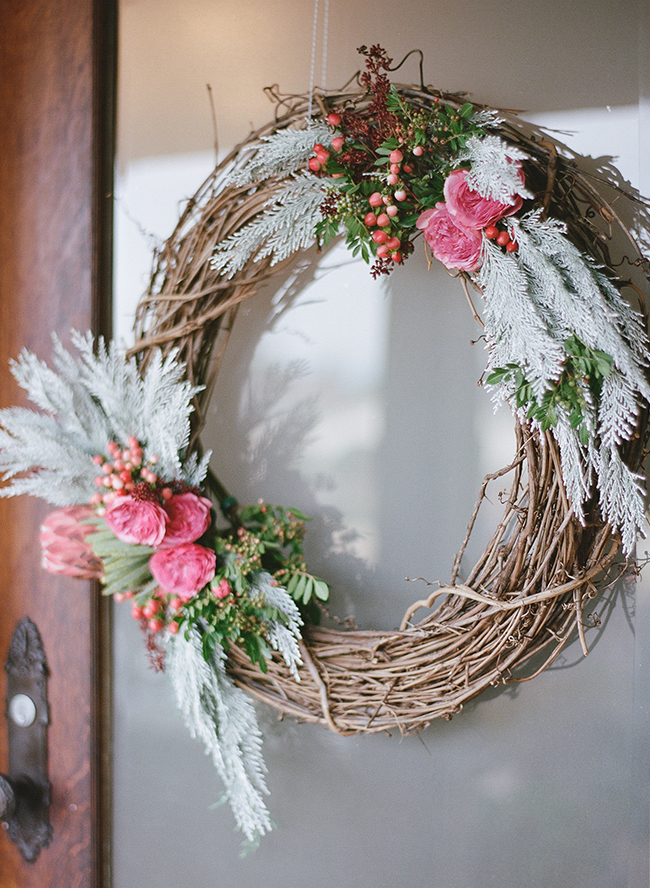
x: 523, y: 600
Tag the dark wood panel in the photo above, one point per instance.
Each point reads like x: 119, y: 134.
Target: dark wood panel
x: 55, y: 113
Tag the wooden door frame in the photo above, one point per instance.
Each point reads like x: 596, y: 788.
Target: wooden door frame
x: 57, y: 64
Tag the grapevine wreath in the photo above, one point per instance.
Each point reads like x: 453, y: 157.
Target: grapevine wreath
x: 228, y: 602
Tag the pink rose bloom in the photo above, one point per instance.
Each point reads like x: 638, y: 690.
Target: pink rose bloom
x: 188, y: 518
x: 183, y: 570
x: 64, y: 546
x: 470, y: 209
x: 454, y: 246
x: 137, y: 521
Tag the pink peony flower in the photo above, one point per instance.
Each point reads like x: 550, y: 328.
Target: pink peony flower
x: 64, y: 546
x: 469, y: 208
x: 137, y: 521
x: 183, y: 570
x: 451, y: 244
x: 188, y: 518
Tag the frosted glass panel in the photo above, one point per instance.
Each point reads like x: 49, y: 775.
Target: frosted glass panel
x: 357, y: 401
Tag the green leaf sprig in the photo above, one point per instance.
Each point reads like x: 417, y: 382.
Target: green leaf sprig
x: 578, y: 386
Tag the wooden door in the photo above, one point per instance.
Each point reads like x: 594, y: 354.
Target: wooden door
x: 56, y: 60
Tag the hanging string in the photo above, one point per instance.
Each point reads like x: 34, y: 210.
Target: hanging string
x: 326, y: 16
x: 314, y: 44
x: 312, y: 69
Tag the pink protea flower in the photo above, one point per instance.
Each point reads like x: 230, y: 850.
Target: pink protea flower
x: 183, y: 570
x: 188, y: 518
x: 134, y: 520
x: 470, y: 209
x: 64, y: 547
x: 451, y: 244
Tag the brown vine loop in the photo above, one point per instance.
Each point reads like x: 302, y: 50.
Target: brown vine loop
x: 523, y: 599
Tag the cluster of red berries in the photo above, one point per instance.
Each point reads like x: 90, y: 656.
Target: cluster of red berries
x: 321, y: 154
x: 321, y: 157
x: 153, y: 614
x: 162, y: 611
x: 502, y: 238
x: 123, y: 473
x: 384, y: 208
x: 380, y: 218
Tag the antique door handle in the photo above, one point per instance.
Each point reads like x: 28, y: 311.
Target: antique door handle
x: 25, y: 790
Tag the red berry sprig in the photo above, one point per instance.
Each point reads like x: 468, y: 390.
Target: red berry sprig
x: 160, y: 611
x: 502, y: 238
x: 124, y: 473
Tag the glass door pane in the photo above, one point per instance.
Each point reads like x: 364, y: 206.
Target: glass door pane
x: 356, y: 401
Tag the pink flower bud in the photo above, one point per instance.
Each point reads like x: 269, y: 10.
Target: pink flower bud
x: 223, y: 589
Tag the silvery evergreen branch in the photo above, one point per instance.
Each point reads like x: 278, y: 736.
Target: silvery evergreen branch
x: 284, y: 636
x: 492, y: 173
x: 535, y: 301
x: 84, y: 401
x: 282, y: 153
x: 223, y: 717
x: 286, y: 224
x: 288, y: 221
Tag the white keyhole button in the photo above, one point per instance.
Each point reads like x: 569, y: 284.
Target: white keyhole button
x: 22, y: 710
